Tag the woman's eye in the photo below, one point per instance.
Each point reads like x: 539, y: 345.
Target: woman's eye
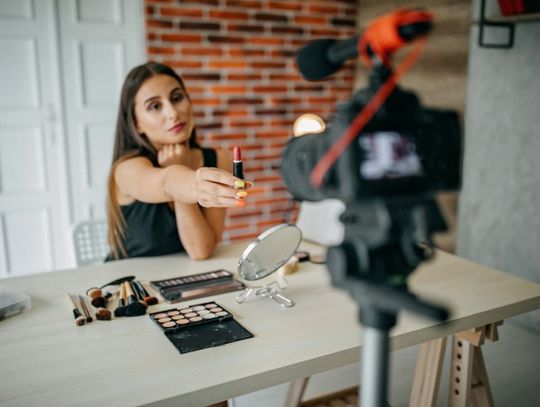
x: 153, y: 106
x: 177, y: 98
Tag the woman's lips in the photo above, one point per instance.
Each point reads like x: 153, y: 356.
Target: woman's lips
x: 177, y: 128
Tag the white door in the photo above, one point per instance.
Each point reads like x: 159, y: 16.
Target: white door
x: 61, y: 67
x: 33, y: 215
x: 101, y: 41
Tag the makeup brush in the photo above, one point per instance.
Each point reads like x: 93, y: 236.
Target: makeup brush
x: 98, y: 299
x: 103, y: 314
x: 138, y: 294
x: 79, y: 319
x: 147, y: 298
x: 134, y: 307
x: 96, y: 296
x: 85, y: 309
x: 120, y: 311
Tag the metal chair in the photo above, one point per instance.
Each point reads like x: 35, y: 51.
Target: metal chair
x: 90, y: 242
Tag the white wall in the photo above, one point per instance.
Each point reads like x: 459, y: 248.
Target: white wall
x: 499, y: 218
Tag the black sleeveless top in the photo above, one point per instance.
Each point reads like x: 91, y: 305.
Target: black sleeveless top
x: 150, y: 229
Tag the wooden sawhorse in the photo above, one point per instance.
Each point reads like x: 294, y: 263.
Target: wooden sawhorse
x: 468, y: 374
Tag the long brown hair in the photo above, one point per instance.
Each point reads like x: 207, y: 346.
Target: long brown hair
x: 129, y: 143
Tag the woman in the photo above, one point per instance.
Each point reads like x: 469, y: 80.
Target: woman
x: 166, y: 194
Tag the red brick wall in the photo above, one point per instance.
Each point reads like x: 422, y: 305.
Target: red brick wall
x: 237, y: 59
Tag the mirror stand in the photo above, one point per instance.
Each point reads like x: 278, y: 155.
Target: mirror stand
x: 271, y: 290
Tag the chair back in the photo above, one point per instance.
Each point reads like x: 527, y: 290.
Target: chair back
x: 90, y: 242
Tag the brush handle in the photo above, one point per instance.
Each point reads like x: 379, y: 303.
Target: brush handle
x: 145, y: 293
x: 129, y: 291
x: 76, y: 312
x: 123, y: 298
x: 85, y: 309
x: 137, y: 289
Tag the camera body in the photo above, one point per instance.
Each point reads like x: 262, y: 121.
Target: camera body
x: 405, y: 149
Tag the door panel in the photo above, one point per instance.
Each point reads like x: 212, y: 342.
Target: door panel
x: 22, y: 166
x: 29, y: 244
x: 17, y: 10
x: 100, y: 80
x: 32, y: 183
x: 101, y: 42
x: 19, y: 71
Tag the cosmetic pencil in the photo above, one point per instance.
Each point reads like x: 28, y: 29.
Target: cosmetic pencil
x: 79, y: 319
x: 238, y: 164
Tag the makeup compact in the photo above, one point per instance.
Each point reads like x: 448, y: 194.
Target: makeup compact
x: 197, y: 285
x: 199, y: 326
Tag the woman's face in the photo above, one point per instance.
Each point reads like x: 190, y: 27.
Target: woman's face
x: 163, y: 111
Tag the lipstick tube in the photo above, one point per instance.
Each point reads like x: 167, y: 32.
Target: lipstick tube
x: 238, y: 166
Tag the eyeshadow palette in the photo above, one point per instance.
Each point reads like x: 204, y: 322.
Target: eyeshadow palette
x: 197, y: 285
x: 199, y: 326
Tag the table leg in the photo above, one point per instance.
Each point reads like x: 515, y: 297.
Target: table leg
x: 460, y: 372
x: 427, y: 375
x: 296, y: 392
x: 481, y: 395
x: 468, y: 375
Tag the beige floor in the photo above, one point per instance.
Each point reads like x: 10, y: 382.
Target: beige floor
x: 513, y: 365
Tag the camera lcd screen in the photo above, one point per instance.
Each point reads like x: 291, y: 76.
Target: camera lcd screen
x: 388, y: 155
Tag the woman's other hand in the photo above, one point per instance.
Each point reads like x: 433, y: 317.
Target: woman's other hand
x: 214, y: 188
x: 174, y: 154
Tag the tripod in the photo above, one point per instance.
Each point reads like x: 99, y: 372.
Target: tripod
x: 378, y: 252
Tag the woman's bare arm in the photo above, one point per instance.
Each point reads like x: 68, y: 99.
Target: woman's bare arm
x: 200, y: 228
x: 138, y: 179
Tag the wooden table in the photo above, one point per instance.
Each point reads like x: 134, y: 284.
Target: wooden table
x: 46, y: 359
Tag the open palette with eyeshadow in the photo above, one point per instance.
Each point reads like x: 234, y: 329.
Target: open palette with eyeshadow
x: 197, y: 285
x: 199, y: 326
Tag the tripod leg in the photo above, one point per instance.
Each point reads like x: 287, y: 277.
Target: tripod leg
x: 428, y: 373
x: 374, y: 367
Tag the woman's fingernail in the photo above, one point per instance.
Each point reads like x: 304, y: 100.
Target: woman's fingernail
x: 239, y: 184
x: 240, y: 203
x: 241, y: 194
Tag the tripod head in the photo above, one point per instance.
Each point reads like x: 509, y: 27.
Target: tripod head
x: 385, y: 241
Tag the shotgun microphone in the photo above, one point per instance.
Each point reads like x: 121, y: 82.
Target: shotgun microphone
x: 321, y: 58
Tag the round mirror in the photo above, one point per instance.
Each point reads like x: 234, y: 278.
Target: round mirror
x: 269, y: 252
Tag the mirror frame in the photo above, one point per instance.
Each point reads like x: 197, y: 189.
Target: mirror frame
x: 260, y: 238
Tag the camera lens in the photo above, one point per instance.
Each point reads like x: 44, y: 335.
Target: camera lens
x: 300, y: 156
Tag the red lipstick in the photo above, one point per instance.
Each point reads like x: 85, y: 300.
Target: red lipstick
x: 238, y: 164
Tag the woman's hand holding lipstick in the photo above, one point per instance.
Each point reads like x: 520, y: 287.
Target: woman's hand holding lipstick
x: 215, y: 187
